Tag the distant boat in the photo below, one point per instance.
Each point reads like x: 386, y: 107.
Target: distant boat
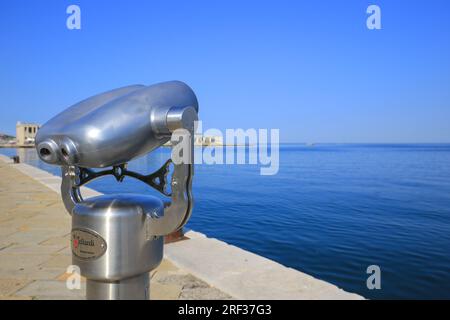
x: 310, y: 144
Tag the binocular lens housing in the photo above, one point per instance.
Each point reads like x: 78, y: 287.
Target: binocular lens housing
x: 114, y: 127
x: 64, y: 152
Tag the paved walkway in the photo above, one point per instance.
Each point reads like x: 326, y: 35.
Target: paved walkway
x: 35, y: 252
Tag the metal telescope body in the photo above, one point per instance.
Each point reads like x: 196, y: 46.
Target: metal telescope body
x: 117, y: 239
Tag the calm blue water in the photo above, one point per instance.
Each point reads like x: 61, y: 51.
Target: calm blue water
x: 331, y: 211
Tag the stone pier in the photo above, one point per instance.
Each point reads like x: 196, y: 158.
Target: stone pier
x: 35, y: 253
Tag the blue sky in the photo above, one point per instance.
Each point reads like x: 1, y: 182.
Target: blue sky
x: 310, y: 68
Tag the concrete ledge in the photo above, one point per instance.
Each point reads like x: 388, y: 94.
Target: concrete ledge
x: 234, y: 271
x: 6, y: 159
x: 245, y: 275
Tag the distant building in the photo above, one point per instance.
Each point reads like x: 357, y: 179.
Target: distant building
x: 200, y: 140
x: 208, y: 140
x: 25, y: 133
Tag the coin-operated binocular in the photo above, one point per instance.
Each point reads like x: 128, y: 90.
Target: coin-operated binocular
x: 117, y: 240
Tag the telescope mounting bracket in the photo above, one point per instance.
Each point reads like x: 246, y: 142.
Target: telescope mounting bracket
x: 157, y: 180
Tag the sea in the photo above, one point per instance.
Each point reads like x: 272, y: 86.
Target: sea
x: 332, y: 211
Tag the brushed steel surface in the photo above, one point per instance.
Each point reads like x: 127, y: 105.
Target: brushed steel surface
x: 135, y: 288
x: 114, y: 127
x: 118, y: 239
x: 120, y: 221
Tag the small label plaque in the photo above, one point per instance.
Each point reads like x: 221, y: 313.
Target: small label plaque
x: 87, y: 244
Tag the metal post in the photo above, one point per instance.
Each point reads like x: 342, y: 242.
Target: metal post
x: 135, y: 288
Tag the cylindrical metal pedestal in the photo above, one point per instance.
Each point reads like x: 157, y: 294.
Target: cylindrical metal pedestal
x: 136, y: 288
x: 112, y: 246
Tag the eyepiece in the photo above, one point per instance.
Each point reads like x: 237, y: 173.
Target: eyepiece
x: 62, y: 153
x: 69, y: 152
x: 44, y: 152
x: 48, y: 151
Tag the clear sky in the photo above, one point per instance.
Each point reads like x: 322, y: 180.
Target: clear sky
x: 310, y: 68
